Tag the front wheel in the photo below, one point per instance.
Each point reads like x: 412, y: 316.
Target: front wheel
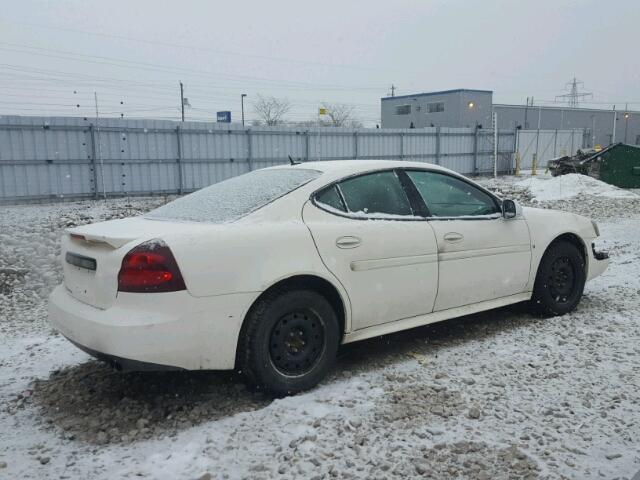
x: 560, y: 280
x: 289, y: 342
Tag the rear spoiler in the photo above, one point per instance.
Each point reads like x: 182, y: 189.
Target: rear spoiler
x: 115, y: 242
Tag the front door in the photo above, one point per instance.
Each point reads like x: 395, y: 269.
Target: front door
x: 368, y: 237
x: 481, y: 255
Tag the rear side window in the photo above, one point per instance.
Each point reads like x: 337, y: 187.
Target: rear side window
x: 447, y: 196
x: 236, y: 197
x: 331, y: 198
x: 375, y: 193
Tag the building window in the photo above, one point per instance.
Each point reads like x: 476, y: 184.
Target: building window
x: 403, y: 109
x: 435, y: 107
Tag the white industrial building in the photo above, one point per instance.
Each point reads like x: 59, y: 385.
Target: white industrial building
x: 474, y: 108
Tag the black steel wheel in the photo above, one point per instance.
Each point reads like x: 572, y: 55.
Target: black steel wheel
x: 289, y: 341
x: 297, y: 342
x: 560, y: 280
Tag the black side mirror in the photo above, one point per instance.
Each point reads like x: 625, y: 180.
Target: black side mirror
x: 509, y: 209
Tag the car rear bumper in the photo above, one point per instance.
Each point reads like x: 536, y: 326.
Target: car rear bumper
x: 124, y: 364
x: 155, y: 331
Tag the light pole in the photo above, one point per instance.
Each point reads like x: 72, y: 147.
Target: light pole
x: 626, y: 125
x: 242, y: 106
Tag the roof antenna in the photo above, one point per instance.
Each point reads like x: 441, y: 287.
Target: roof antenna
x: 292, y: 161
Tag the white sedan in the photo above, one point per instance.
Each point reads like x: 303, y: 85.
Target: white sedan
x: 269, y: 272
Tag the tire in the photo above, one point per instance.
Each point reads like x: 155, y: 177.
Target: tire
x: 560, y: 280
x: 289, y: 341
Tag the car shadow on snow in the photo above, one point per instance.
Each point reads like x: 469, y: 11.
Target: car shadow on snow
x: 94, y: 403
x: 379, y: 352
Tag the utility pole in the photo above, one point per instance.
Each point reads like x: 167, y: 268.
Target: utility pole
x: 182, y: 100
x: 98, y: 150
x: 393, y: 90
x: 242, y: 106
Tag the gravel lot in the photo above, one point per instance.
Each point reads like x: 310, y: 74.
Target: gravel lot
x: 499, y: 395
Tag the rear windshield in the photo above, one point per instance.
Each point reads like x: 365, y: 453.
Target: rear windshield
x: 234, y: 198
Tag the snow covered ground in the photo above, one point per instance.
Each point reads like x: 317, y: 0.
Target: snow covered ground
x: 498, y: 395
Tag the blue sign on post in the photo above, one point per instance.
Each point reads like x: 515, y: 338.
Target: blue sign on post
x: 224, y: 117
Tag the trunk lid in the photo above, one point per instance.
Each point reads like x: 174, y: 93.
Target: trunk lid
x: 92, y: 254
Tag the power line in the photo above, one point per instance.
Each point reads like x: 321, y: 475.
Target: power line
x: 206, y: 49
x: 123, y: 63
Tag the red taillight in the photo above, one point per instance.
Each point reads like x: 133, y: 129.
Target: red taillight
x: 150, y: 268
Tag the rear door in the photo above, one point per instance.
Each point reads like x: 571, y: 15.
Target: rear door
x: 384, y: 253
x: 481, y: 255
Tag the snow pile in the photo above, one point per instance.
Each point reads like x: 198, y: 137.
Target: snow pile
x: 571, y: 185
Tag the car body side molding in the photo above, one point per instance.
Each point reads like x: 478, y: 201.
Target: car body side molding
x: 438, y: 316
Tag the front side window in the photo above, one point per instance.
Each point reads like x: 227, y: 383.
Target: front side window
x: 447, y: 196
x: 375, y: 193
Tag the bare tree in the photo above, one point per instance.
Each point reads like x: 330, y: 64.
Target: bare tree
x: 341, y: 115
x: 271, y: 110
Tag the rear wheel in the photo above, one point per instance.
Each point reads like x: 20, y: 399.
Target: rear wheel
x: 289, y: 341
x: 560, y: 280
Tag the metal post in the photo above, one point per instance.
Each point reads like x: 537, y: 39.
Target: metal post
x: 99, y: 150
x: 249, y: 151
x: 495, y: 144
x: 437, y: 145
x: 179, y: 159
x: 242, y: 106
x: 401, y: 145
x: 306, y: 138
x: 572, y: 135
x: 515, y: 148
x: 182, y: 100
x: 626, y: 121
x: 94, y: 165
x: 538, y: 132
x: 615, y: 118
x: 355, y: 144
x: 593, y: 131
x: 475, y: 150
x: 555, y: 143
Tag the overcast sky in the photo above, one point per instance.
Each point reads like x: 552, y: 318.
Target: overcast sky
x: 136, y: 52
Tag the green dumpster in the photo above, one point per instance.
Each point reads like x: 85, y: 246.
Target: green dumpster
x: 618, y: 165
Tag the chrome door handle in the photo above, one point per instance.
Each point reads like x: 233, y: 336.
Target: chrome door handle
x: 453, y: 237
x: 348, y: 241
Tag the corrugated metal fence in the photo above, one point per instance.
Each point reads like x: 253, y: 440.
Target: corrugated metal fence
x: 56, y: 158
x: 547, y: 144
